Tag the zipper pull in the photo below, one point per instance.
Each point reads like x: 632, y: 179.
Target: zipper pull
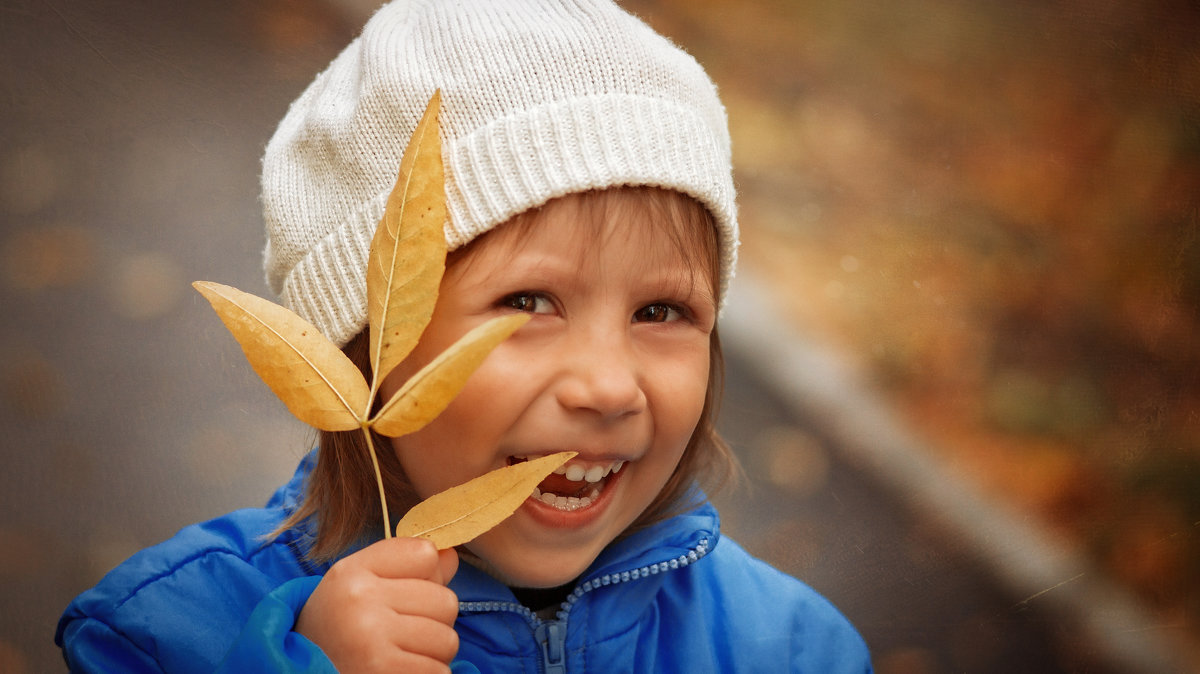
x: 552, y: 636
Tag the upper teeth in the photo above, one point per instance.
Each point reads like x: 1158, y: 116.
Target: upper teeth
x: 576, y: 473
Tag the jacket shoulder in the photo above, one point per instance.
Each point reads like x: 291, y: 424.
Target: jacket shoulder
x: 762, y: 617
x: 181, y: 603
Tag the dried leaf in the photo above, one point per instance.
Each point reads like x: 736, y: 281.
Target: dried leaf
x: 408, y: 251
x: 322, y: 387
x: 316, y: 381
x: 431, y: 389
x: 461, y: 513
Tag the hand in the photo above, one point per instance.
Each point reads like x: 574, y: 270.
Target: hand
x: 386, y: 608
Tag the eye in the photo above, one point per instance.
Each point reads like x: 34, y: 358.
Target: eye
x: 657, y: 313
x: 530, y: 302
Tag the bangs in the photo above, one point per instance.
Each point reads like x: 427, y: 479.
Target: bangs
x: 683, y: 220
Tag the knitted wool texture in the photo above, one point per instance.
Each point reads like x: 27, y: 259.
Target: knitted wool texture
x: 539, y: 99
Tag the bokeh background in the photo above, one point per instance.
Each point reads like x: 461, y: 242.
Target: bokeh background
x: 984, y: 218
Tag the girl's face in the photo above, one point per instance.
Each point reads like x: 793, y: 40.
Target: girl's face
x: 613, y: 365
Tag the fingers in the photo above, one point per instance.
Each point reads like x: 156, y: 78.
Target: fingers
x: 424, y: 636
x: 418, y: 596
x: 410, y: 558
x: 401, y: 661
x: 386, y: 608
x: 371, y: 641
x: 421, y: 598
x: 401, y: 558
x: 448, y: 564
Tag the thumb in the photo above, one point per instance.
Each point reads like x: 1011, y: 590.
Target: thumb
x: 447, y: 564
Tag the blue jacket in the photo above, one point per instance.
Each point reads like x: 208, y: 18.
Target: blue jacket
x: 674, y: 597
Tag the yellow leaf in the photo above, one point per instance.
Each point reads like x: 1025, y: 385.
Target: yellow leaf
x: 431, y: 389
x: 461, y: 513
x: 316, y: 381
x: 408, y: 250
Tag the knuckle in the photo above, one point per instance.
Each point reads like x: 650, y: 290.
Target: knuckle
x: 359, y: 626
x: 443, y: 644
x: 452, y: 644
x: 425, y: 560
x: 425, y: 638
x: 357, y: 588
x: 342, y: 571
x: 445, y: 604
x: 418, y: 549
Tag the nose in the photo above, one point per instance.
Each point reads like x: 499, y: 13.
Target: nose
x: 601, y: 376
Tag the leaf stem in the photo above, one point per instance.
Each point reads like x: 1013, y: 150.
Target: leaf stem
x: 387, y: 522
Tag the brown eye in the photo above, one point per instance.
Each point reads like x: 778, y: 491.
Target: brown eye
x: 656, y: 313
x: 531, y: 302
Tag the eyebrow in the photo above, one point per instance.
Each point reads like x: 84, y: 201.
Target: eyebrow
x: 691, y: 283
x: 683, y: 281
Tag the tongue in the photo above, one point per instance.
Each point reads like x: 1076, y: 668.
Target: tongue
x: 559, y: 484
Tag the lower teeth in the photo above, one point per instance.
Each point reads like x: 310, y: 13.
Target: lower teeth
x: 567, y: 503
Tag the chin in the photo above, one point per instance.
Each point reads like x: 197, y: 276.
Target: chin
x: 543, y: 581
x: 540, y: 569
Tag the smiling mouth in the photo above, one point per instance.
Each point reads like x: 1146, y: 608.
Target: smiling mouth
x: 573, y: 486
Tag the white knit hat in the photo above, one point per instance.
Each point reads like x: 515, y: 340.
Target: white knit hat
x: 540, y: 98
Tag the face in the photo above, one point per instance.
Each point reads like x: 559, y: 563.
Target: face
x: 613, y: 365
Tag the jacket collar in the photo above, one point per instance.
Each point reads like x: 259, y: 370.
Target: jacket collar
x: 655, y: 547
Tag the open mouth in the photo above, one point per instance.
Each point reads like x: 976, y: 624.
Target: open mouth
x: 575, y: 485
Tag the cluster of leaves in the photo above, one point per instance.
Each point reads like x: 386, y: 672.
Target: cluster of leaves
x: 321, y: 386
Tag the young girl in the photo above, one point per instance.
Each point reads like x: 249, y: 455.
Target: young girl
x: 588, y: 184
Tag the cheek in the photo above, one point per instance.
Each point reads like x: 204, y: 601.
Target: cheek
x: 426, y: 475
x: 680, y: 404
x: 683, y: 390
x: 460, y: 443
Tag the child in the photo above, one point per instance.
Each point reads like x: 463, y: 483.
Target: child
x: 588, y: 184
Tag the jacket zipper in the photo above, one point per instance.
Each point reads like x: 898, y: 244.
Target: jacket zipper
x: 551, y: 635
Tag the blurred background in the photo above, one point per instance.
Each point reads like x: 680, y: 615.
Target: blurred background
x: 964, y: 372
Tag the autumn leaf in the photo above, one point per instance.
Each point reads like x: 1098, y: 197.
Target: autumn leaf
x: 408, y: 251
x: 431, y: 389
x: 317, y: 382
x: 461, y: 513
x: 322, y: 387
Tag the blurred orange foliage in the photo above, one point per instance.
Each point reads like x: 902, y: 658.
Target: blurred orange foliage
x: 994, y: 210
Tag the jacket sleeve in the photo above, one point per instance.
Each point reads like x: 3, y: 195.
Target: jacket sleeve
x: 180, y: 606
x: 96, y: 648
x: 267, y: 642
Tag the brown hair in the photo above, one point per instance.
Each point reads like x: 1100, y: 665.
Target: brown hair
x: 342, y: 494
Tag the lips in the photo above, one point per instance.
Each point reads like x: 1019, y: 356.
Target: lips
x: 575, y: 485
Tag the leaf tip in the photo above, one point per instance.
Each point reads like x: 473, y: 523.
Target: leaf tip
x: 206, y: 288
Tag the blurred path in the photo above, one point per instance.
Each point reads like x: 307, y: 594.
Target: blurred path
x: 917, y: 593
x: 937, y: 577
x: 130, y: 137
